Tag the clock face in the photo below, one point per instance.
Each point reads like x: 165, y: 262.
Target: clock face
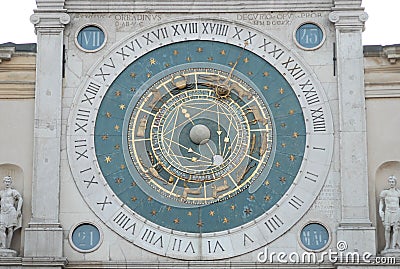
x: 200, y: 140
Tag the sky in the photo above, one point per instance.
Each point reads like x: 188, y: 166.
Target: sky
x: 381, y: 27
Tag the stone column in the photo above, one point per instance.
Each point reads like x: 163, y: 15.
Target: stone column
x: 44, y: 236
x: 355, y: 227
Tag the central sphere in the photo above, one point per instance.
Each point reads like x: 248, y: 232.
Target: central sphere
x: 199, y: 134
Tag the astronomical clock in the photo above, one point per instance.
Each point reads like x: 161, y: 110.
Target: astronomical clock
x: 199, y: 139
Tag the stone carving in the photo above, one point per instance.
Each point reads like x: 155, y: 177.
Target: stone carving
x: 10, y: 213
x: 389, y: 211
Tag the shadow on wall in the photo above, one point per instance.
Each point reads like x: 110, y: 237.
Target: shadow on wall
x: 15, y: 172
x: 381, y: 182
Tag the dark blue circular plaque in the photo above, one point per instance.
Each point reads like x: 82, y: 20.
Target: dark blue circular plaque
x: 309, y: 36
x: 91, y: 38
x: 85, y: 237
x: 314, y: 236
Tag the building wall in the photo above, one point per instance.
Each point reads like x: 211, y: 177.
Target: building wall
x: 17, y: 88
x: 382, y: 89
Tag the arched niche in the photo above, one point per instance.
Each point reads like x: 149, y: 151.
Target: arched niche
x: 385, y: 170
x: 17, y: 183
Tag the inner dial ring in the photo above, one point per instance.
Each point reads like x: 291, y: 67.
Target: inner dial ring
x: 195, y: 146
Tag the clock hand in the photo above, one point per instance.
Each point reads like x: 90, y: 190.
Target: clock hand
x: 234, y: 65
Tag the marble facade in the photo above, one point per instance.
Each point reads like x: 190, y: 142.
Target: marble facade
x: 359, y: 98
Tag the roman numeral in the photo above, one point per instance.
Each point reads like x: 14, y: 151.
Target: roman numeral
x: 183, y: 28
x: 130, y: 47
x: 125, y: 222
x: 311, y: 176
x: 318, y: 120
x: 104, y: 203
x: 273, y: 223
x: 92, y: 180
x: 160, y: 33
x: 81, y: 120
x: 91, y: 92
x: 249, y: 39
x: 178, y: 243
x: 81, y: 153
x: 247, y: 238
x: 309, y: 92
x: 152, y: 237
x: 276, y: 52
x: 212, y: 248
x: 296, y: 202
x: 215, y: 28
x: 102, y: 72
x: 294, y: 69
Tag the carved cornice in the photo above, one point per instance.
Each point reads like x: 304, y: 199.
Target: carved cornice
x: 6, y: 53
x: 48, y: 20
x: 198, y: 6
x: 347, y: 3
x: 17, y: 76
x: 349, y: 20
x: 50, y: 4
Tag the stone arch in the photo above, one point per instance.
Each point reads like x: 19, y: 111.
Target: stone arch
x: 18, y: 183
x: 385, y: 170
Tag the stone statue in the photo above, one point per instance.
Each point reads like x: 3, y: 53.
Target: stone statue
x: 10, y: 213
x: 389, y: 211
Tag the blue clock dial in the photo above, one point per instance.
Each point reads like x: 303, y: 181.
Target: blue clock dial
x: 200, y: 136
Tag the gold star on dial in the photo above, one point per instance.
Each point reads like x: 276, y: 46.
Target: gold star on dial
x: 152, y: 61
x: 108, y: 159
x: 295, y: 135
x: 118, y: 180
x: 246, y: 60
x: 211, y: 213
x: 282, y: 179
x: 116, y: 127
x: 148, y: 75
x: 267, y: 198
x: 176, y: 221
x: 118, y: 93
x: 247, y: 211
x: 122, y: 106
x: 149, y: 198
x: 266, y: 183
x: 133, y: 75
x: 168, y: 208
x: 210, y: 59
x: 108, y: 114
x: 153, y: 212
x: 281, y: 91
x: 225, y: 220
x: 277, y: 164
x: 222, y: 52
x: 175, y: 52
x: 117, y: 147
x: 199, y: 49
x: 104, y: 137
x: 189, y: 213
x: 200, y: 223
x: 132, y: 89
x: 133, y: 184
x: 188, y: 59
x: 291, y: 112
x: 252, y: 197
x: 122, y: 166
x: 233, y: 207
x: 133, y: 198
x: 265, y: 87
x: 266, y: 74
x: 292, y: 158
